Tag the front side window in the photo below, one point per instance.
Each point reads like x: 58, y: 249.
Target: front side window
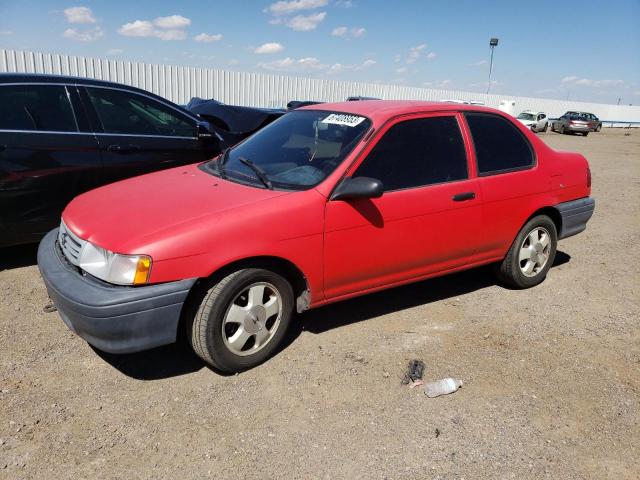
x: 129, y: 113
x: 416, y: 153
x: 295, y: 152
x: 500, y: 146
x: 44, y: 108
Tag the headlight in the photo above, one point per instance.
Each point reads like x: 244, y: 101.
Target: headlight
x: 113, y: 267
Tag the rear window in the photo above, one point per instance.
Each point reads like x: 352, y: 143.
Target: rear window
x: 44, y: 108
x: 500, y: 146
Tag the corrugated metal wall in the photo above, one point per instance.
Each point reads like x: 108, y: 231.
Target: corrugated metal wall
x: 180, y: 84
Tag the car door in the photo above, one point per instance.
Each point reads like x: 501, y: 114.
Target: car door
x: 542, y: 121
x: 138, y: 134
x: 508, y: 179
x: 427, y: 220
x: 47, y: 157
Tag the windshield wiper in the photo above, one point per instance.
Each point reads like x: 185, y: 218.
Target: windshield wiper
x: 220, y: 163
x: 260, y: 173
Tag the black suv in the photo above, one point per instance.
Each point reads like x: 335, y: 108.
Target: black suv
x: 61, y: 136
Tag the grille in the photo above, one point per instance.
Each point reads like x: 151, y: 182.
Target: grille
x: 70, y: 244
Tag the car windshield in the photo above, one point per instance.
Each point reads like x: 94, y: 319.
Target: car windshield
x: 526, y: 116
x: 296, y: 152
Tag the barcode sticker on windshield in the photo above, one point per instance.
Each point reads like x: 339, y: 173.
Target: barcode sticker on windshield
x: 343, y: 119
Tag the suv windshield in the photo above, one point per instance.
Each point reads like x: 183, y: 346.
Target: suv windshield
x: 526, y: 116
x: 295, y: 152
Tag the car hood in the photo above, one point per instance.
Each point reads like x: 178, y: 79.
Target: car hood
x: 132, y: 215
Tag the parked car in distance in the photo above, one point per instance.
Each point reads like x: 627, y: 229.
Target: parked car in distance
x: 233, y: 123
x: 61, y: 136
x: 594, y: 122
x: 536, y: 121
x: 328, y: 202
x: 571, y: 123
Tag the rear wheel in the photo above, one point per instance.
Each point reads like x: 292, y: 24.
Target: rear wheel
x: 242, y: 319
x: 584, y: 134
x: 531, y: 254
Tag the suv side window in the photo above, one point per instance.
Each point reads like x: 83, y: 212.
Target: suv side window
x: 129, y: 113
x: 416, y: 153
x: 44, y: 108
x: 500, y: 146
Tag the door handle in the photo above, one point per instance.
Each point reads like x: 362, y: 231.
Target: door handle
x: 123, y: 148
x: 461, y: 197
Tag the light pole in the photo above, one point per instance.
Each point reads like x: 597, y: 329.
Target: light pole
x: 493, y: 43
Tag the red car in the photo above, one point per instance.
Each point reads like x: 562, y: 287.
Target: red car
x: 328, y: 202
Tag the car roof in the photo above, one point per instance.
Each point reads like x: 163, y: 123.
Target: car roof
x: 67, y: 79
x: 380, y: 110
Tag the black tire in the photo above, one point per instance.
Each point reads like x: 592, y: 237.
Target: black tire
x: 561, y: 131
x: 584, y: 134
x: 599, y: 127
x: 509, y: 270
x: 205, y: 327
x: 544, y: 129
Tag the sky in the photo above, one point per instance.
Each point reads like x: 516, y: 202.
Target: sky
x: 586, y: 51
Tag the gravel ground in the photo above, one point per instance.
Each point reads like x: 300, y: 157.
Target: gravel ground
x: 552, y: 375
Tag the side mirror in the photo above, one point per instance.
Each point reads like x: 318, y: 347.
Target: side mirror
x: 358, y: 187
x: 206, y: 131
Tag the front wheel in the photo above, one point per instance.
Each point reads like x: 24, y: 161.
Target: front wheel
x: 544, y: 129
x: 242, y: 319
x: 598, y: 128
x: 531, y: 254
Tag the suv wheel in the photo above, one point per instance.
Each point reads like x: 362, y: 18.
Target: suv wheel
x: 531, y: 254
x: 242, y: 319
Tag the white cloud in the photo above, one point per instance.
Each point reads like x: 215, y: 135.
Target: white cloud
x: 271, y: 47
x: 415, y: 52
x: 277, y: 64
x: 83, y: 35
x: 302, y: 23
x: 285, y: 8
x: 206, y: 38
x: 431, y: 55
x: 164, y: 28
x: 479, y: 63
x: 343, y: 3
x: 82, y: 15
x: 401, y: 70
x: 339, y: 31
x: 345, y: 32
x: 234, y: 61
x: 172, y: 22
x: 313, y: 64
x: 138, y: 28
x: 114, y: 51
x: 587, y: 82
x: 6, y: 32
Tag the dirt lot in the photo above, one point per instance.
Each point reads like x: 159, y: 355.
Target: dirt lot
x: 552, y: 375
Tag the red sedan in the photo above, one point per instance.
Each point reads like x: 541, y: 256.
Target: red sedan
x: 326, y: 203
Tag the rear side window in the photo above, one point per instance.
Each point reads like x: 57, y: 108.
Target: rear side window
x: 128, y: 113
x: 500, y: 146
x: 416, y: 153
x: 44, y: 108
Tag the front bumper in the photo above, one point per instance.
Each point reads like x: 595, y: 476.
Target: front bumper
x: 575, y: 215
x: 112, y: 318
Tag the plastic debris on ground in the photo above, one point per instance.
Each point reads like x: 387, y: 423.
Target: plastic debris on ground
x: 442, y: 387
